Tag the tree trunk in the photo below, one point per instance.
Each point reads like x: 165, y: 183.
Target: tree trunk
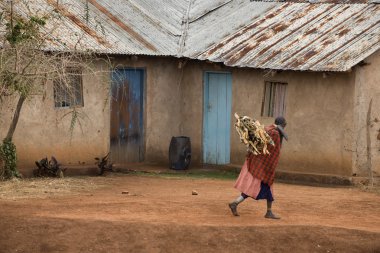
x: 16, y: 116
x: 369, y: 153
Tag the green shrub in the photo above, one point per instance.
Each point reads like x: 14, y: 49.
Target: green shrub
x: 9, y: 157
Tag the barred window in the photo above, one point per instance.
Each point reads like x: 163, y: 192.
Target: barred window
x: 274, y: 99
x: 68, y: 91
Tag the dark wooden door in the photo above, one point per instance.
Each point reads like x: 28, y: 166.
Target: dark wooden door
x: 127, y: 115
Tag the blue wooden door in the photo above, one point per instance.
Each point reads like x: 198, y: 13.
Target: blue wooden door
x: 216, y: 118
x: 127, y: 93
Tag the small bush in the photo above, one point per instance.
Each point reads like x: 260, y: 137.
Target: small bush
x: 9, y: 160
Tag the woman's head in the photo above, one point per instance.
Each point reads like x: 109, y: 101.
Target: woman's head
x: 280, y: 121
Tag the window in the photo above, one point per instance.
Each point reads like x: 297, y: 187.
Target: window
x: 274, y: 99
x: 68, y: 91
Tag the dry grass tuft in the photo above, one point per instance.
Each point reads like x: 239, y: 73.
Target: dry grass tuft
x: 47, y: 187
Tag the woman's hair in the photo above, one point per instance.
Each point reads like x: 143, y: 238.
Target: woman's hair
x: 281, y: 121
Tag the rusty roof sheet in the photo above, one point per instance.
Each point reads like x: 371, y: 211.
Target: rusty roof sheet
x: 322, y: 1
x: 273, y: 35
x: 113, y: 26
x: 295, y: 36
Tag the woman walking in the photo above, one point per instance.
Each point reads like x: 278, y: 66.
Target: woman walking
x: 257, y: 174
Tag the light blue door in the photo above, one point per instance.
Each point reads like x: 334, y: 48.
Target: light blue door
x: 217, y: 118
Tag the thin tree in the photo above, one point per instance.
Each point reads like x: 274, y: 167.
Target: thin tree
x: 26, y: 66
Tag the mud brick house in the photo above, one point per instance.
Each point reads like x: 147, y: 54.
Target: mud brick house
x: 183, y: 67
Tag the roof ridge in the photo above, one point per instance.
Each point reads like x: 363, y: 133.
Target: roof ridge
x: 185, y: 26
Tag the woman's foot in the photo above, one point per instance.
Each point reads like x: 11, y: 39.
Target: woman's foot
x: 271, y: 215
x: 233, y: 207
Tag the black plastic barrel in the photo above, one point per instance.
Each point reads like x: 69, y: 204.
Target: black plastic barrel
x: 180, y: 153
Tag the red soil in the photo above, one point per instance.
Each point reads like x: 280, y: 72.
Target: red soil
x: 162, y: 215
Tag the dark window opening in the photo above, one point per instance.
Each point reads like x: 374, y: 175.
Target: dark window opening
x: 274, y: 99
x: 68, y: 90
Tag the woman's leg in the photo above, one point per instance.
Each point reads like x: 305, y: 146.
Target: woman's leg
x: 269, y: 213
x: 233, y: 205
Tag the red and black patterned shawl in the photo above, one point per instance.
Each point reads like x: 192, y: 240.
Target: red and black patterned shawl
x: 263, y: 166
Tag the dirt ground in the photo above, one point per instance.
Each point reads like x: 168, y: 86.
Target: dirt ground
x: 158, y: 214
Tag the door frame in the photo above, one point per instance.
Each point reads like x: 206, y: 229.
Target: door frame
x: 143, y: 105
x: 205, y: 75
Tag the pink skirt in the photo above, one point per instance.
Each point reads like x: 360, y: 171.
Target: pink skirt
x: 248, y: 184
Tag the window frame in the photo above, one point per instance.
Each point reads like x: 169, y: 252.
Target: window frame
x: 268, y: 110
x: 73, y: 95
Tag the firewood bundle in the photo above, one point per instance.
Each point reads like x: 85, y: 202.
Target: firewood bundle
x: 104, y: 164
x: 46, y: 168
x: 253, y: 135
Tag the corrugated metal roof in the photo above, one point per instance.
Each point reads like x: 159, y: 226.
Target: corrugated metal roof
x: 322, y: 1
x: 296, y: 36
x: 273, y: 35
x: 114, y: 26
x: 220, y: 23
